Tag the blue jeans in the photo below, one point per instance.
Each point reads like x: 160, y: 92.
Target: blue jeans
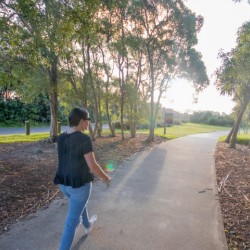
x: 78, y: 199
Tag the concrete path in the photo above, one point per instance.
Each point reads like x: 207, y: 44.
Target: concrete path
x: 161, y: 199
x: 11, y: 131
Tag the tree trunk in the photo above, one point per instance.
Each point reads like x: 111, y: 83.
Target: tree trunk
x: 121, y: 84
x: 111, y: 127
x: 53, y: 99
x: 84, y: 78
x: 91, y: 132
x: 122, y: 110
x: 133, y: 122
x: 230, y: 134
x: 150, y: 137
x: 132, y: 130
x: 99, y: 127
x: 134, y: 106
x: 96, y: 111
x: 121, y: 73
x: 237, y: 124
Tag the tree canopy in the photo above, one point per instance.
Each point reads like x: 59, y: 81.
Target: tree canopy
x: 233, y: 76
x: 104, y: 55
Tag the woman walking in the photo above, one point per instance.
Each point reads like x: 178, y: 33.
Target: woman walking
x: 76, y: 164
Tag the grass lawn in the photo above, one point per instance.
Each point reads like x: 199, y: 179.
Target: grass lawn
x: 242, y: 138
x: 23, y: 138
x: 171, y: 132
x: 187, y: 129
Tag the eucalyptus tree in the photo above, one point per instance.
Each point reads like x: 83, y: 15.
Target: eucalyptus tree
x: 79, y: 81
x: 113, y: 31
x: 104, y: 66
x: 107, y: 66
x: 137, y: 87
x: 151, y: 40
x: 117, y: 61
x: 117, y: 14
x: 84, y: 62
x: 49, y: 34
x: 168, y: 32
x: 37, y: 32
x: 233, y: 77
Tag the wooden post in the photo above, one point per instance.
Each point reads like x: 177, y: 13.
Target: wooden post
x: 27, y: 127
x: 59, y: 128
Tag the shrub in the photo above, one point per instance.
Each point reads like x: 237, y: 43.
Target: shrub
x: 15, y: 111
x: 211, y: 118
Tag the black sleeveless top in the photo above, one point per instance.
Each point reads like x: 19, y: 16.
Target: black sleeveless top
x: 72, y: 168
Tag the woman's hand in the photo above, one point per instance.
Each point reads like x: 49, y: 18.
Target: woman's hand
x: 107, y: 180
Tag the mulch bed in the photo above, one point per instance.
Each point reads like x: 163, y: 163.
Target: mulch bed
x: 233, y: 180
x: 26, y: 180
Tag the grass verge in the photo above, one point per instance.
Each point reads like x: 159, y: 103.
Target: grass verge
x: 23, y: 138
x: 171, y: 133
x: 185, y: 129
x: 241, y: 138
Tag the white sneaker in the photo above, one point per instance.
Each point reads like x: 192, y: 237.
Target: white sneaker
x: 92, y: 221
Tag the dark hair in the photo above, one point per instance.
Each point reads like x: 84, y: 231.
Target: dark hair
x: 76, y: 115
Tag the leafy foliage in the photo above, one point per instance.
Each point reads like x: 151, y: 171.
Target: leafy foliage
x: 211, y: 118
x: 15, y: 111
x: 233, y: 77
x: 99, y: 54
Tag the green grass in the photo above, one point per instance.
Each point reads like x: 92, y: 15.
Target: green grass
x: 23, y: 138
x: 241, y: 138
x: 184, y: 129
x: 171, y: 132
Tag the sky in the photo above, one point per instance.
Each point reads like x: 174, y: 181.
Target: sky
x: 222, y: 19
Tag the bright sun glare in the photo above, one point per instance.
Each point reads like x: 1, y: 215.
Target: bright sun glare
x: 221, y: 22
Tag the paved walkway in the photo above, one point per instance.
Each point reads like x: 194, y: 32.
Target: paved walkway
x: 11, y: 131
x: 161, y: 199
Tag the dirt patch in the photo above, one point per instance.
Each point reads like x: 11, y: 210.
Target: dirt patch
x: 27, y: 171
x: 233, y: 180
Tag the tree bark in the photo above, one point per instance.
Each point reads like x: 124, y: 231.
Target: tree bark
x: 150, y: 137
x: 99, y: 128
x: 134, y: 106
x: 96, y: 112
x: 121, y: 73
x: 230, y: 134
x: 133, y: 122
x: 111, y: 127
x: 122, y: 104
x: 53, y: 99
x: 121, y: 85
x: 237, y: 124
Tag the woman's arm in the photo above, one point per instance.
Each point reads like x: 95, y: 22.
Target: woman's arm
x: 95, y: 167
